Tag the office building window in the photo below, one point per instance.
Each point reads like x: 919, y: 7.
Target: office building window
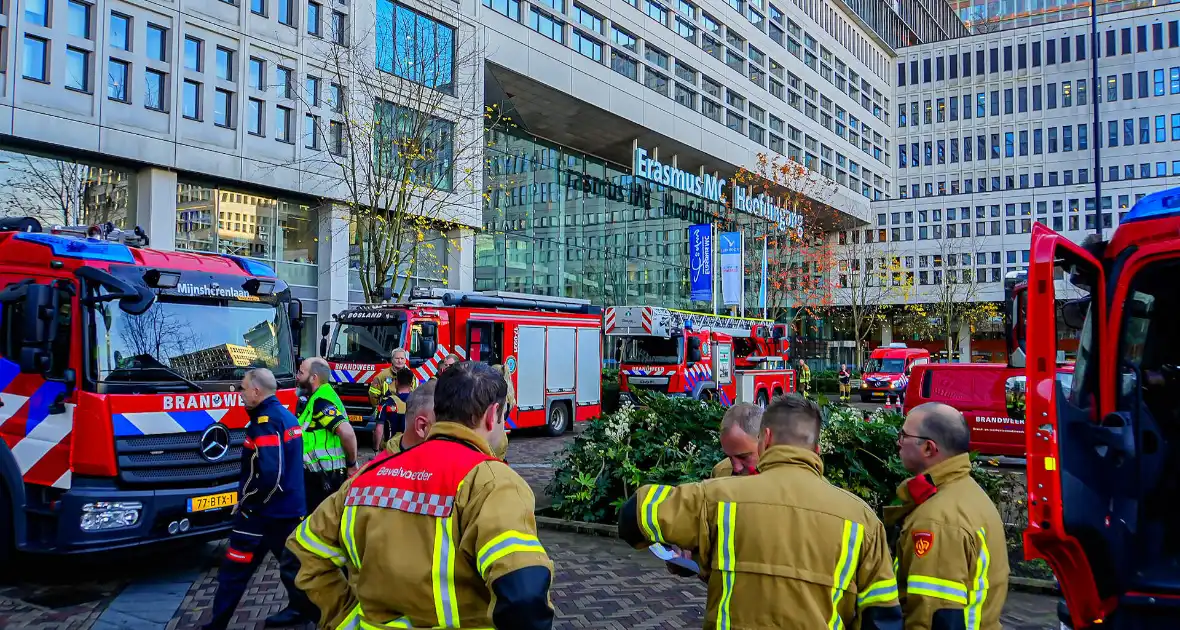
x: 223, y: 108
x: 120, y: 34
x: 36, y: 58
x: 78, y: 16
x: 191, y: 107
x: 77, y: 69
x: 155, y: 90
x: 117, y: 73
x: 420, y: 49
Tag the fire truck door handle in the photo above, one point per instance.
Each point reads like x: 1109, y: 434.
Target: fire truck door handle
x: 1114, y: 437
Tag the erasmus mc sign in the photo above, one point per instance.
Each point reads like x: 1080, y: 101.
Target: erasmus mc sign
x: 712, y: 188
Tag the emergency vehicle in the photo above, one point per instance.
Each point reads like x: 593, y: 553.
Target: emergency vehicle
x: 706, y: 357
x: 550, y: 347
x: 1103, y: 457
x: 119, y: 370
x: 888, y: 371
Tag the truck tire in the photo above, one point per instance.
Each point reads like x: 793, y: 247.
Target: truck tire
x: 763, y: 401
x: 7, y: 535
x: 559, y: 419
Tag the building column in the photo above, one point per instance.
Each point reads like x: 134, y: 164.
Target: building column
x: 886, y: 333
x: 332, y: 255
x: 155, y: 206
x: 964, y: 343
x: 460, y: 259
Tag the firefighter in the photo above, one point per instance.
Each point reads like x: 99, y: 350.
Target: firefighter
x: 952, y: 558
x: 272, y: 497
x: 382, y: 389
x: 329, y: 457
x: 392, y: 410
x: 804, y: 378
x: 845, y: 377
x: 464, y: 552
x: 447, y: 362
x: 419, y: 419
x: 834, y: 572
x: 739, y: 441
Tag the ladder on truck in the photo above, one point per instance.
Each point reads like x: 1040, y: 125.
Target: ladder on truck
x: 663, y: 322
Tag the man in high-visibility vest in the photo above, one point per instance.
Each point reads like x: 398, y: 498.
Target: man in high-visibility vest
x: 329, y: 458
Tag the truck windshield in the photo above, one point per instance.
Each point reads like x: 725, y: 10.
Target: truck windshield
x: 653, y: 350
x: 365, y: 343
x: 888, y: 366
x: 191, y: 340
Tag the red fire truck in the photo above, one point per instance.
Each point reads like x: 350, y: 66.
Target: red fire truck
x: 550, y: 347
x: 1103, y: 459
x: 706, y: 357
x: 119, y: 366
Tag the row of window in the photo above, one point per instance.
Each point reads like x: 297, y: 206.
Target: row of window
x: 1010, y: 181
x: 1150, y: 83
x: 950, y: 66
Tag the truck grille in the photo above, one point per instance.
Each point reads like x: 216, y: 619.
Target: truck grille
x: 355, y: 397
x: 175, y: 459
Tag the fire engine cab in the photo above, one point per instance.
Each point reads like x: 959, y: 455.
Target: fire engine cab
x: 706, y: 357
x: 1104, y: 455
x: 550, y: 347
x: 119, y: 370
x: 888, y: 372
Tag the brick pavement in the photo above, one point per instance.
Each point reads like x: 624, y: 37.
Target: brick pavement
x: 599, y: 583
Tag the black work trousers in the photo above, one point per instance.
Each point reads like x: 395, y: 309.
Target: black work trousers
x: 318, y: 486
x: 250, y: 540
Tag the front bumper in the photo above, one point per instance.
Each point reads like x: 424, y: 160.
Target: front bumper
x: 57, y: 528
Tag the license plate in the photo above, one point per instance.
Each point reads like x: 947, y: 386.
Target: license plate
x: 356, y: 419
x: 212, y: 502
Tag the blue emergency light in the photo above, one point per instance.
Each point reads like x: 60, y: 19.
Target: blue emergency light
x: 252, y: 267
x: 1165, y: 203
x: 71, y: 247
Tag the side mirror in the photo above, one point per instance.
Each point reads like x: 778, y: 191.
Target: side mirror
x: 1014, y: 397
x: 295, y: 312
x: 777, y: 333
x: 37, y: 327
x: 323, y: 346
x: 134, y: 300
x: 325, y: 328
x: 1073, y: 312
x: 694, y: 350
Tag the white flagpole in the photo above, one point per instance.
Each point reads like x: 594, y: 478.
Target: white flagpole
x: 764, y: 289
x: 742, y: 271
x: 713, y: 266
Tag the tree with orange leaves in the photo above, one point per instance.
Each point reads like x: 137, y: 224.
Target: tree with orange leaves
x: 799, y: 257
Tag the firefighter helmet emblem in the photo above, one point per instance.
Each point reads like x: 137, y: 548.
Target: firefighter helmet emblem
x: 923, y: 542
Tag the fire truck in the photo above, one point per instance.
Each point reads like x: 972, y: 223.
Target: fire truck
x: 1104, y: 456
x: 119, y: 369
x: 706, y: 357
x: 550, y: 347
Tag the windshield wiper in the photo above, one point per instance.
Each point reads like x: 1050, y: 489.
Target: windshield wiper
x: 158, y: 368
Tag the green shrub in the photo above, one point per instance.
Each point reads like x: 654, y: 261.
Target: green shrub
x: 675, y: 440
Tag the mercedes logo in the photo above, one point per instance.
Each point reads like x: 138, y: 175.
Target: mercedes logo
x: 214, y: 442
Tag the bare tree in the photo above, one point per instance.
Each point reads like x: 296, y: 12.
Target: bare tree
x: 984, y: 19
x: 403, y: 147
x: 868, y: 277
x: 951, y: 297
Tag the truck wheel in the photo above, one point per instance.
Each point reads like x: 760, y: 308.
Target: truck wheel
x: 559, y: 419
x: 866, y: 397
x: 763, y: 402
x: 707, y: 395
x: 7, y: 534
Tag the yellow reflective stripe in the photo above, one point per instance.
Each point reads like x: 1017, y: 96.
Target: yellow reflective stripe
x: 309, y: 541
x: 726, y: 559
x: 401, y: 622
x: 348, y: 535
x: 978, y: 595
x: 352, y: 621
x: 938, y: 588
x: 442, y: 577
x: 509, y: 542
x: 845, y: 568
x: 648, y: 512
x: 878, y: 592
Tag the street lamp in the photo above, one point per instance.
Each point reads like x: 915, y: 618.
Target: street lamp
x: 1096, y: 138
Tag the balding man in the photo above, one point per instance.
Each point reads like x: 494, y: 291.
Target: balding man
x: 739, y: 440
x: 419, y: 419
x: 271, y: 500
x: 834, y: 572
x: 952, y: 558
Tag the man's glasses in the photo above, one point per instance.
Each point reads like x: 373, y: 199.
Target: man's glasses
x: 902, y: 434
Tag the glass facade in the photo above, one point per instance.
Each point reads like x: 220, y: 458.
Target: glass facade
x: 562, y: 223
x: 58, y: 191
x: 281, y: 233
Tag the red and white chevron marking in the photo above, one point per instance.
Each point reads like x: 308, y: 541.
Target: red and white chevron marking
x: 429, y: 369
x: 647, y: 320
x: 42, y: 453
x: 610, y: 320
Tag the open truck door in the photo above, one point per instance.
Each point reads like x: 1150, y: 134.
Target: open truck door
x: 1078, y: 500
